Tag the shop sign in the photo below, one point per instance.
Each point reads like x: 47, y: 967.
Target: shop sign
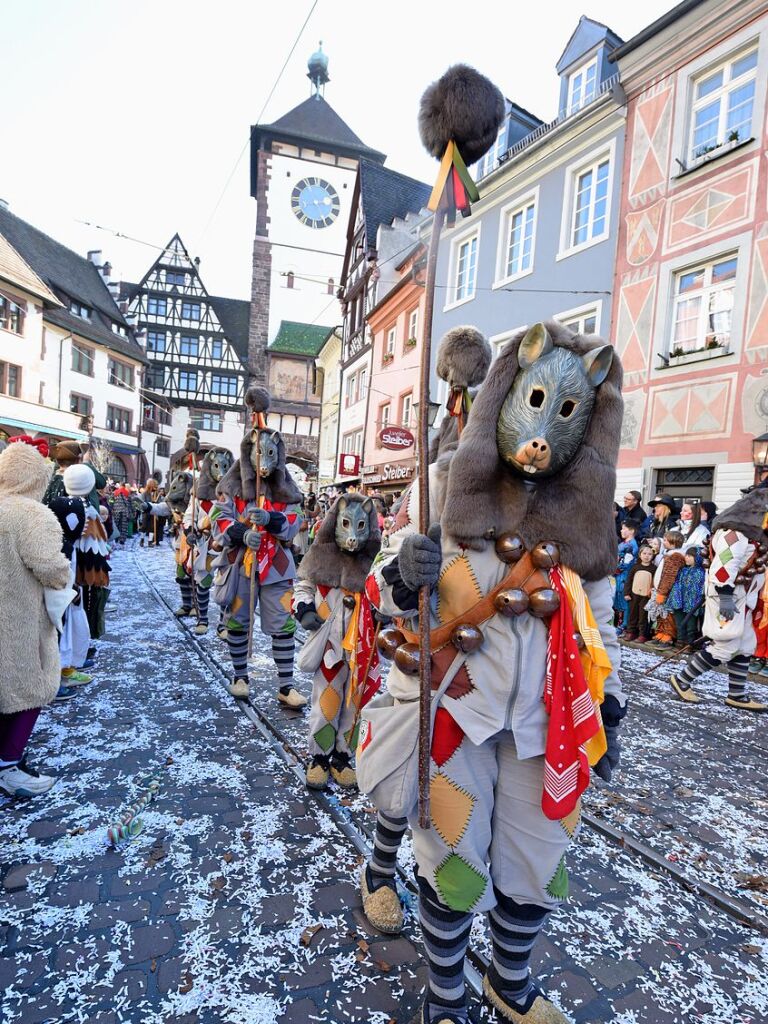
x: 349, y: 465
x: 396, y: 438
x: 392, y: 472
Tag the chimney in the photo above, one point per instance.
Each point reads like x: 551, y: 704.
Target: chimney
x: 106, y: 272
x: 95, y: 257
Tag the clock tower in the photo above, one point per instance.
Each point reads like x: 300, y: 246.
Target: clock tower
x: 303, y: 169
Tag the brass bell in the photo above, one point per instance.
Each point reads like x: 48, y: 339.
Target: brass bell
x: 511, y: 602
x: 740, y: 581
x: 349, y: 601
x: 388, y: 641
x: 407, y: 659
x: 467, y: 638
x: 545, y: 556
x: 510, y: 548
x: 544, y: 602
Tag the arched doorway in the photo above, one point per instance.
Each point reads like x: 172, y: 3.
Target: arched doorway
x: 116, y: 470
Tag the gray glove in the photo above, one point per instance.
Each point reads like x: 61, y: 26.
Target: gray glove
x: 259, y: 517
x: 612, y: 714
x: 252, y: 538
x: 727, y: 606
x: 311, y: 620
x: 420, y: 559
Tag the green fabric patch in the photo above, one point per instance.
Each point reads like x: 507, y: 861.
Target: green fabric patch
x: 180, y: 574
x: 206, y: 581
x: 558, y: 883
x: 459, y: 884
x: 351, y: 736
x: 290, y: 626
x: 726, y: 556
x: 326, y: 737
x: 235, y: 625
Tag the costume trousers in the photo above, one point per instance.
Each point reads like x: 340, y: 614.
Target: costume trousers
x: 488, y: 828
x: 638, y: 616
x: 15, y: 731
x: 272, y: 604
x: 331, y: 715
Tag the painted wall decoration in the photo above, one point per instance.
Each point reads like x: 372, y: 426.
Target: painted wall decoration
x: 719, y: 204
x: 650, y: 142
x: 754, y: 403
x: 757, y: 311
x: 288, y: 379
x: 699, y: 411
x: 643, y: 228
x: 635, y: 322
x: 634, y: 405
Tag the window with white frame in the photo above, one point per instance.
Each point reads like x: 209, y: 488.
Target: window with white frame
x: 517, y: 257
x: 589, y: 205
x: 352, y: 444
x: 722, y: 104
x: 491, y: 160
x: 350, y: 395
x: 582, y: 86
x: 362, y: 383
x: 584, y: 322
x: 703, y: 305
x: 413, y: 325
x: 389, y: 345
x: 155, y: 306
x: 465, y: 269
x: 406, y: 404
x: 385, y: 411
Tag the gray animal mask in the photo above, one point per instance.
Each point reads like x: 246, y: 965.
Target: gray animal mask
x: 219, y: 461
x: 179, y: 492
x: 352, y: 524
x: 546, y: 413
x: 269, y: 441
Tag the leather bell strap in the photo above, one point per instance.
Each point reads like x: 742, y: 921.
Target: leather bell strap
x: 522, y: 576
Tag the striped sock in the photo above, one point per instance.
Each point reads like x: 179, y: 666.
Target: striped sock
x: 237, y: 641
x: 701, y: 662
x: 514, y: 929
x: 283, y: 646
x: 446, y: 935
x: 185, y: 586
x: 737, y: 677
x: 386, y: 843
x: 203, y: 596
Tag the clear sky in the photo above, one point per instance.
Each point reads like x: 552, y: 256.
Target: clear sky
x: 132, y: 115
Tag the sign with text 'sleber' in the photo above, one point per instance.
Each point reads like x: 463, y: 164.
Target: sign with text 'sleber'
x: 349, y: 465
x: 396, y: 438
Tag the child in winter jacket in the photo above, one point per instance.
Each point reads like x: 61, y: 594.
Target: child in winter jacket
x: 686, y: 598
x: 671, y: 563
x: 626, y: 559
x: 637, y: 590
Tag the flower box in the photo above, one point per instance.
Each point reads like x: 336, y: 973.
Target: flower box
x: 699, y: 354
x: 388, y: 357
x: 411, y: 343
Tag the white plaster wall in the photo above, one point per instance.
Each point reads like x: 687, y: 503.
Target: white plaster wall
x: 729, y: 479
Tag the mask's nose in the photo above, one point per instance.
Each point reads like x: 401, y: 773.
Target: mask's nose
x: 534, y: 455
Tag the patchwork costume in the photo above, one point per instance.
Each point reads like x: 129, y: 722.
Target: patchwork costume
x: 236, y: 517
x: 522, y: 636
x: 329, y: 599
x: 735, y: 579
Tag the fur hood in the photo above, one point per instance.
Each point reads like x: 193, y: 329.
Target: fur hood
x: 24, y: 472
x: 240, y: 480
x: 574, y: 508
x: 325, y: 565
x: 206, y: 485
x: 746, y: 516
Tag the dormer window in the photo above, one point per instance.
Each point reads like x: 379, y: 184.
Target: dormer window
x: 175, y: 278
x: 582, y: 86
x: 79, y: 309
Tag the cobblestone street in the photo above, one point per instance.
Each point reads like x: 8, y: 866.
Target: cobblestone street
x: 238, y: 900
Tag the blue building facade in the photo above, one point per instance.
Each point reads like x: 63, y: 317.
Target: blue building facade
x: 541, y: 241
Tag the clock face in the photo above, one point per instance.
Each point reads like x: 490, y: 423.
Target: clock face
x: 315, y: 202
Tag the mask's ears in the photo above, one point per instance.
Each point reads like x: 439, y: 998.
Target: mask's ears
x: 343, y: 502
x: 368, y: 505
x: 536, y: 343
x: 597, y: 363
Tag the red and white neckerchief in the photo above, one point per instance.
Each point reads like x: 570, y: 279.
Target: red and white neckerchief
x: 572, y: 716
x: 367, y: 655
x: 269, y: 552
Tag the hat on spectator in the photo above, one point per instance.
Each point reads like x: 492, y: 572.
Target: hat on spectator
x: 79, y: 480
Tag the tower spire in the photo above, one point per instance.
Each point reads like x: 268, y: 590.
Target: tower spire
x: 318, y: 70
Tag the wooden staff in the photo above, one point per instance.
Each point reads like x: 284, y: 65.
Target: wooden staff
x: 254, y: 554
x: 425, y: 654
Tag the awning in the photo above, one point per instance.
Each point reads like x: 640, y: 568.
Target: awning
x: 119, y: 446
x: 77, y: 435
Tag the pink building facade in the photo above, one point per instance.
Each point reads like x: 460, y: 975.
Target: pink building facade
x: 690, y: 302
x: 396, y: 327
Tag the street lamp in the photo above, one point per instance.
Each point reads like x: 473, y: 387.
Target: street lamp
x: 434, y: 409
x: 760, y: 455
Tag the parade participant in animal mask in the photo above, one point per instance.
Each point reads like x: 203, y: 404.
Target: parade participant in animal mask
x: 329, y: 600
x: 256, y: 560
x: 524, y: 655
x: 735, y: 579
x: 194, y: 548
x: 174, y: 507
